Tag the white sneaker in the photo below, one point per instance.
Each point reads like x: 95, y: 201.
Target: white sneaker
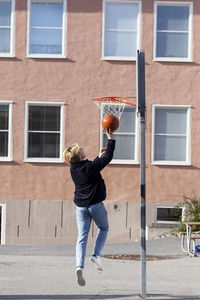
x: 79, y: 276
x: 96, y: 260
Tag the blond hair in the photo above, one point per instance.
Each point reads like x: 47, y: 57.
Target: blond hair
x: 71, y: 154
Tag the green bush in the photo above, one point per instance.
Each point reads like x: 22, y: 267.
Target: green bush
x: 191, y: 214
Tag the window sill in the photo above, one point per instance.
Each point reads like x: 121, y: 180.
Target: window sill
x: 43, y: 160
x: 175, y: 59
x: 59, y: 56
x: 122, y: 58
x: 171, y: 163
x: 5, y: 159
x: 6, y: 55
x: 124, y: 162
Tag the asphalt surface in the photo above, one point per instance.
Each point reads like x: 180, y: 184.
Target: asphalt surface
x: 48, y: 272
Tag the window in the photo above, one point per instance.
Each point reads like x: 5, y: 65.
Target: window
x: 173, y: 31
x: 44, y: 132
x: 6, y: 130
x: 7, y: 8
x: 125, y: 136
x: 121, y: 29
x: 169, y: 214
x: 171, y: 135
x: 46, y: 28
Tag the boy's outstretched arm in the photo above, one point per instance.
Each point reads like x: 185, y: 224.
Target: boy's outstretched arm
x: 106, y: 156
x: 109, y: 136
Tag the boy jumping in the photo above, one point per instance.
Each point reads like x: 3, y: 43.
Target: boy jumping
x: 90, y: 191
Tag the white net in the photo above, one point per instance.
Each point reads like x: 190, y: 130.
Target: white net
x: 111, y: 108
x: 112, y: 105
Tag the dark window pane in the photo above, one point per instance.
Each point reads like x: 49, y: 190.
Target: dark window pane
x: 45, y: 145
x: 169, y: 214
x: 4, y: 111
x: 170, y: 44
x: 173, y: 17
x: 52, y: 145
x: 52, y: 118
x: 3, y: 143
x: 36, y: 118
x: 44, y: 118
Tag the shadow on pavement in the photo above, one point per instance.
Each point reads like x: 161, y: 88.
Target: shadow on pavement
x: 90, y: 297
x: 170, y: 297
x: 63, y: 297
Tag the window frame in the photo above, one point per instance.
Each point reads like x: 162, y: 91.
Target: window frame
x: 190, y: 32
x: 168, y: 206
x: 3, y: 223
x: 122, y: 161
x: 10, y: 116
x: 64, y: 22
x: 12, y: 31
x: 187, y: 162
x: 125, y: 58
x: 43, y: 159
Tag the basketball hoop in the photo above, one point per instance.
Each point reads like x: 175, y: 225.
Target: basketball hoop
x: 114, y: 105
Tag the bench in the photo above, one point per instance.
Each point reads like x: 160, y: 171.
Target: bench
x: 195, y: 235
x: 193, y: 238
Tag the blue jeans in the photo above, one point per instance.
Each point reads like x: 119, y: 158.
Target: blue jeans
x: 84, y: 216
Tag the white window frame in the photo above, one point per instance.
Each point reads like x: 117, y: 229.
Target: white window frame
x: 41, y: 159
x: 10, y: 117
x: 127, y: 58
x: 64, y: 22
x: 122, y: 161
x: 167, y: 206
x: 3, y: 223
x: 12, y: 30
x: 187, y: 162
x: 190, y: 33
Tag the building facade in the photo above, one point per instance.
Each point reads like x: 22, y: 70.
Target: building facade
x: 55, y: 56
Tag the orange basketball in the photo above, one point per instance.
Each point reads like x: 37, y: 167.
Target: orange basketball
x: 110, y: 121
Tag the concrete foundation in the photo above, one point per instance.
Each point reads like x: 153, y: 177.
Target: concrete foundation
x: 42, y: 222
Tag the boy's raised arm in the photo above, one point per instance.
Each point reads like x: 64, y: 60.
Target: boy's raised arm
x: 106, y: 156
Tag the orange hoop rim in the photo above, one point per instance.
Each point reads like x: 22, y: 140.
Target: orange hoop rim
x: 123, y: 100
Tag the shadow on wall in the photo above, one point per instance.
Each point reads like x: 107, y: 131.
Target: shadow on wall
x: 73, y: 6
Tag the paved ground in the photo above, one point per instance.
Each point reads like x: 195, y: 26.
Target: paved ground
x: 42, y: 273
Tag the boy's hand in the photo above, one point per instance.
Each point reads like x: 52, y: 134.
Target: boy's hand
x: 109, y: 133
x: 101, y: 152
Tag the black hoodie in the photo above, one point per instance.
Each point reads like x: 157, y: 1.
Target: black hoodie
x: 89, y: 184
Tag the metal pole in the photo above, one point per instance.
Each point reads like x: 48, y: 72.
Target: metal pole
x: 141, y: 110
x: 143, y: 206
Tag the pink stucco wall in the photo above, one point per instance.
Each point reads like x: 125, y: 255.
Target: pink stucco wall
x: 76, y: 80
